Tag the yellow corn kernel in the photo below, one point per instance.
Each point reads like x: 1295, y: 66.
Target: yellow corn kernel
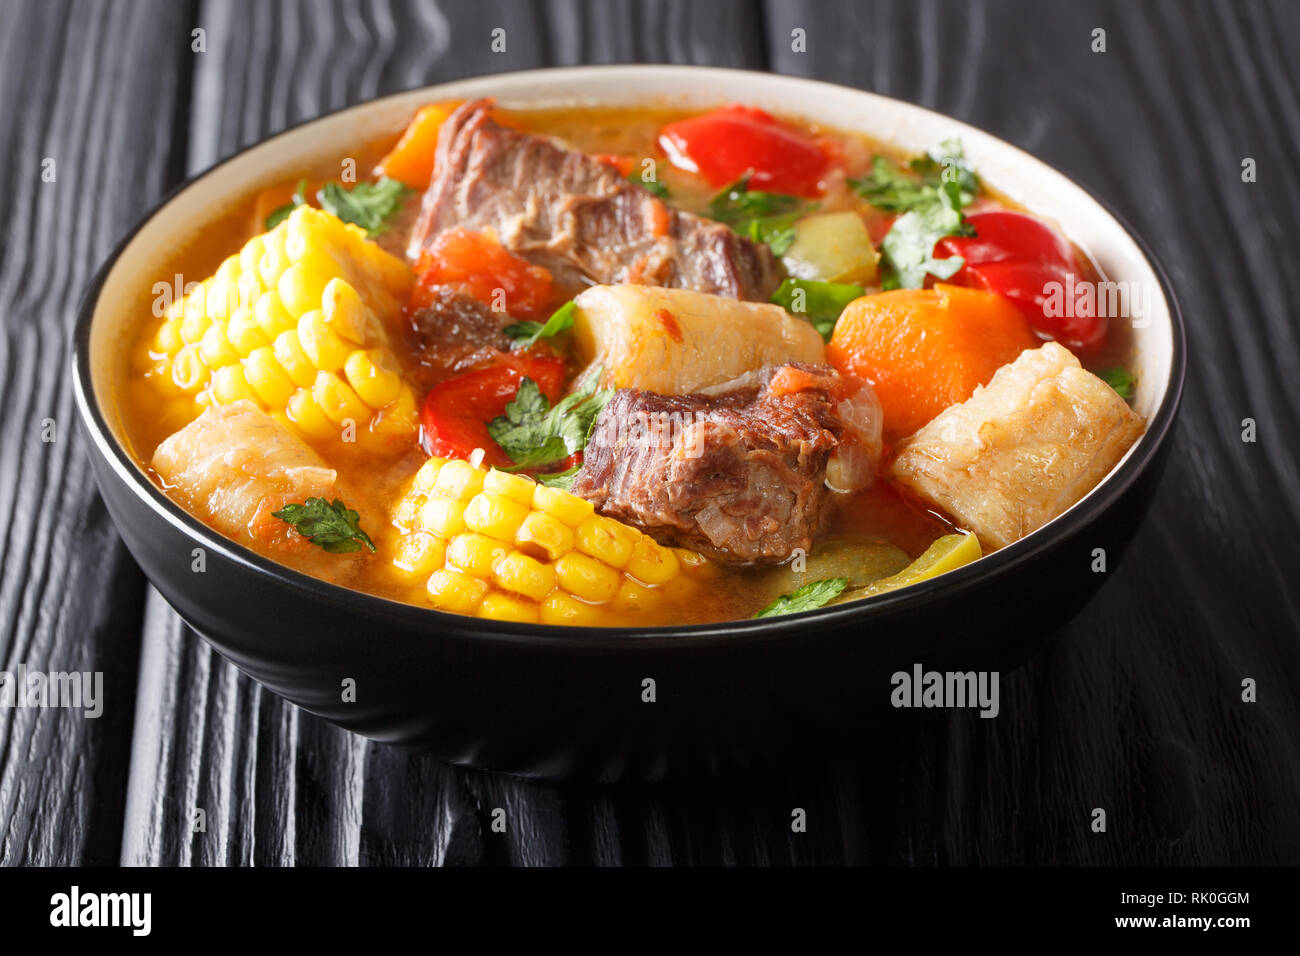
x: 495, y: 515
x: 585, y: 577
x: 459, y: 480
x: 337, y: 400
x: 216, y: 348
x: 453, y: 591
x: 633, y: 597
x: 344, y: 311
x: 398, y: 419
x: 196, y: 301
x: 267, y: 379
x: 221, y: 297
x: 420, y: 553
x: 696, y: 564
x: 248, y: 287
x: 272, y: 317
x: 546, y: 533
x: 309, y: 417
x: 300, y: 288
x: 273, y: 263
x: 243, y: 332
x: 560, y: 608
x: 289, y: 353
x: 445, y: 517
x: 428, y: 473
x: 515, y: 487
x: 370, y: 374
x: 569, y: 508
x: 229, y: 385
x: 251, y: 254
x: 502, y: 607
x: 168, y: 340
x: 326, y: 350
x: 408, y: 512
x: 607, y: 540
x: 475, y: 554
x: 521, y: 574
x: 652, y: 563
x: 194, y: 326
x: 189, y: 374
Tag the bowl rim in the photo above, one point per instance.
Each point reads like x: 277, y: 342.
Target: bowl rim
x: 417, y: 618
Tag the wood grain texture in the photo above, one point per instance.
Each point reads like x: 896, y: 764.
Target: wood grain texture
x: 1135, y: 707
x: 70, y: 598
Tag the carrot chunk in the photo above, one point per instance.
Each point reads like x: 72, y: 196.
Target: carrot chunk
x: 926, y: 349
x: 411, y: 160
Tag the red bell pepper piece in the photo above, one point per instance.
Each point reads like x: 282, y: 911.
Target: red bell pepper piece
x: 724, y: 145
x: 1026, y: 260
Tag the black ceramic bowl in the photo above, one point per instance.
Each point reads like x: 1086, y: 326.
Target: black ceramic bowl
x: 565, y: 703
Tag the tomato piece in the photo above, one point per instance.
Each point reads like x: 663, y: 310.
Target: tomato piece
x: 624, y: 164
x: 455, y: 414
x: 478, y: 265
x: 1029, y: 262
x: 724, y: 145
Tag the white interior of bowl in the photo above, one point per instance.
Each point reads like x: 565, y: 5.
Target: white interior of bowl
x: 1011, y: 171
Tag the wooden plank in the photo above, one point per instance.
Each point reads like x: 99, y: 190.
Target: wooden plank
x: 108, y: 132
x: 277, y: 786
x: 1137, y: 705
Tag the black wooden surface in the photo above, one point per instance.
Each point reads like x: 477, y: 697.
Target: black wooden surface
x: 1135, y: 707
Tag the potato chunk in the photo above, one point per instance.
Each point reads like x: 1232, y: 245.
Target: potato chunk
x: 674, y: 342
x: 1020, y: 450
x: 234, y: 464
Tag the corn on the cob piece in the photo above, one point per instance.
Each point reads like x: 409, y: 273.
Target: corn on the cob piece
x: 493, y: 544
x: 296, y: 323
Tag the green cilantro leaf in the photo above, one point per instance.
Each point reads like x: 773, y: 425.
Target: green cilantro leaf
x: 908, y: 246
x: 889, y: 188
x: 281, y: 213
x: 527, y: 332
x: 806, y: 598
x: 369, y: 205
x: 334, y: 527
x: 534, y: 434
x: 1120, y: 379
x: 656, y: 187
x: 819, y: 302
x: 559, y: 479
x: 930, y: 205
x: 760, y: 216
x: 947, y: 163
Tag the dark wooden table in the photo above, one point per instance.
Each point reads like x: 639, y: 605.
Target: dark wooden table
x: 1135, y: 707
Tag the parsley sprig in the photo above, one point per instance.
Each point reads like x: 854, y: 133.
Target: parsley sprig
x: 930, y: 200
x: 810, y: 596
x: 368, y: 205
x: 332, y: 526
x: 527, y: 333
x: 535, y: 435
x: 819, y: 302
x: 760, y: 216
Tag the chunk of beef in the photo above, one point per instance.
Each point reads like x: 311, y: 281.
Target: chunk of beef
x: 453, y: 333
x: 741, y: 472
x: 573, y: 213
